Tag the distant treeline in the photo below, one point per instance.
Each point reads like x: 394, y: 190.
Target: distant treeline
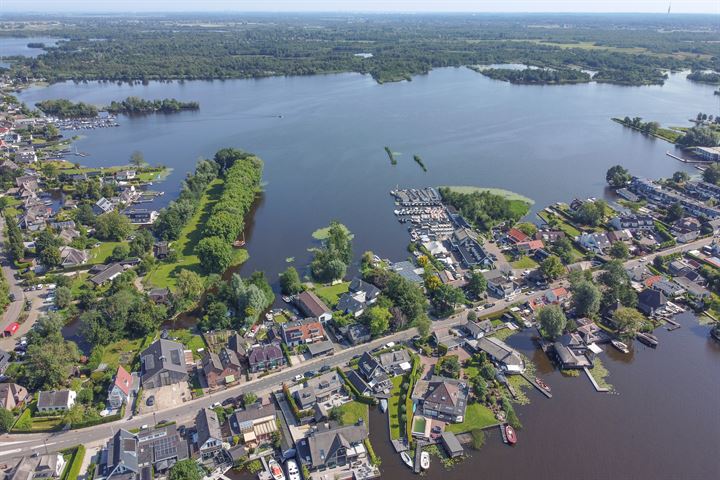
x: 63, y: 108
x: 705, y: 77
x: 135, y: 105
x: 539, y: 76
x: 624, y: 50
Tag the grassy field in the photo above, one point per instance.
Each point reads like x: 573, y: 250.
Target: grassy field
x: 524, y: 262
x: 123, y: 352
x: 322, y: 233
x: 331, y: 293
x: 163, y: 275
x: 512, y: 196
x: 476, y: 416
x: 569, y: 230
x: 192, y: 341
x: 352, y: 411
x: 393, y: 404
x: 102, y: 253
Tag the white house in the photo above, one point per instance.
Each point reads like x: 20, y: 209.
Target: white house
x: 121, y: 388
x: 595, y: 242
x: 56, y: 401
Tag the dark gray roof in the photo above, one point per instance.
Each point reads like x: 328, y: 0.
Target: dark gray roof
x: 107, y: 273
x: 163, y: 355
x: 651, y: 298
x: 319, y: 348
x: 500, y: 351
x: 359, y: 285
x: 324, y: 444
x: 446, y: 395
x: 53, y: 398
x: 407, y: 270
x: 207, y: 426
x: 237, y: 344
x: 390, y: 359
x: 251, y: 413
x: 451, y: 442
x: 264, y: 353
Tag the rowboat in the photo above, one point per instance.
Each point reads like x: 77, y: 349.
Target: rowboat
x: 542, y: 384
x: 510, y: 435
x: 275, y: 470
x: 406, y: 459
x: 620, y: 346
x: 425, y: 460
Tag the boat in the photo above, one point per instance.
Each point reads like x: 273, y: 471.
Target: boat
x: 406, y: 459
x: 647, y: 338
x: 510, y: 435
x: 425, y: 460
x: 542, y: 384
x: 620, y: 346
x: 292, y: 470
x: 383, y: 405
x: 275, y: 470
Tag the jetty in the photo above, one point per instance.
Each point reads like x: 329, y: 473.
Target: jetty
x: 534, y: 384
x: 647, y: 339
x: 598, y: 388
x: 685, y: 160
x: 418, y: 453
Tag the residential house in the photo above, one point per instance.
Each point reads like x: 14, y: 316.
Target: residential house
x: 466, y: 245
x: 122, y: 388
x: 665, y: 197
x: 505, y: 357
x: 590, y: 332
x: 265, y: 357
x: 221, y: 368
x: 125, y: 175
x: 549, y: 236
x: 107, y: 274
x: 710, y: 154
x: 442, y: 398
x: 570, y: 353
x: 624, y: 236
x: 208, y: 436
x: 477, y: 330
x: 436, y: 248
x: 308, y: 330
x: 360, y: 294
x: 13, y: 395
x: 331, y: 447
x: 72, y: 257
x: 596, y: 242
x: 141, y: 216
x: 256, y: 424
x: 26, y: 156
x: 448, y: 337
x: 162, y: 364
x: 651, y: 301
x: 670, y: 289
x: 35, y: 467
x: 676, y: 267
x: 161, y: 250
x: 103, y: 206
x: 160, y: 295
x: 557, y: 295
x: 318, y: 389
x: 499, y: 284
x: 55, y: 401
x: 357, y: 333
x: 396, y: 362
x: 693, y: 288
x: 408, y: 271
x: 373, y: 374
x: 515, y: 236
x: 67, y: 235
x: 325, y: 347
x: 686, y: 229
x: 239, y: 345
x: 140, y: 456
x: 633, y: 222
x: 529, y: 247
x: 311, y: 305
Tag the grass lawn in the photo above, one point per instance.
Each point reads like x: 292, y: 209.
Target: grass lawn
x: 507, y: 194
x: 79, y: 284
x: 163, y: 275
x: 331, y: 293
x: 322, y: 233
x: 569, y: 230
x: 123, y: 352
x: 393, y: 404
x: 102, y: 253
x: 524, y: 262
x: 476, y: 416
x: 192, y: 341
x: 351, y: 411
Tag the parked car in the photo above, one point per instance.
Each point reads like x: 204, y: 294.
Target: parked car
x: 297, y: 377
x: 150, y: 401
x: 310, y: 373
x: 325, y: 368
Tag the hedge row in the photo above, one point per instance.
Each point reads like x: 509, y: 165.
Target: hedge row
x: 72, y: 471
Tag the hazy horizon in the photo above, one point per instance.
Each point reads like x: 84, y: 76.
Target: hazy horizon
x: 363, y: 6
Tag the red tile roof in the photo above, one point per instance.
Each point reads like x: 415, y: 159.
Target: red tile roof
x: 123, y: 380
x: 517, y: 235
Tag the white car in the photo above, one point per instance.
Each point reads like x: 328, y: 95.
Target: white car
x: 297, y: 378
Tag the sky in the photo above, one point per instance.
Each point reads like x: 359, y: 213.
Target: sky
x: 612, y: 6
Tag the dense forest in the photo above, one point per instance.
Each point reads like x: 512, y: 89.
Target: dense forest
x: 63, y: 108
x: 624, y: 49
x: 484, y: 209
x: 536, y: 76
x: 135, y: 105
x: 705, y: 77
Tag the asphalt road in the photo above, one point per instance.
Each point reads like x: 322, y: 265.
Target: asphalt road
x: 17, y: 445
x: 13, y: 310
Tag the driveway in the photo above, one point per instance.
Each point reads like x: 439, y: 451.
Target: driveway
x: 167, y: 397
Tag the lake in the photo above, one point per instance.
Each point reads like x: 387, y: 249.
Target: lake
x: 322, y: 140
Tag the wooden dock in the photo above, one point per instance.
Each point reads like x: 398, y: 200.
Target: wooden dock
x: 685, y: 160
x: 531, y: 381
x: 418, y: 452
x: 598, y: 388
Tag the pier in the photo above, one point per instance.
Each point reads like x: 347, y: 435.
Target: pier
x: 534, y: 384
x: 598, y: 388
x: 685, y: 160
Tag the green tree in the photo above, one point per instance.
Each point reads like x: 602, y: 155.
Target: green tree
x: 249, y: 398
x: 50, y: 257
x: 674, y: 212
x: 185, y: 470
x: 477, y: 284
x: 377, y: 319
x: 586, y: 299
x: 617, y: 176
x: 290, y: 283
x: 6, y: 420
x: 552, y: 267
x: 628, y: 321
x: 619, y: 250
x: 137, y: 158
x: 48, y: 363
x: 215, y: 254
x: 591, y: 213
x: 552, y: 320
x: 711, y: 174
x: 112, y: 226
x: 63, y: 297
x: 680, y: 177
x: 120, y: 252
x: 188, y: 289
